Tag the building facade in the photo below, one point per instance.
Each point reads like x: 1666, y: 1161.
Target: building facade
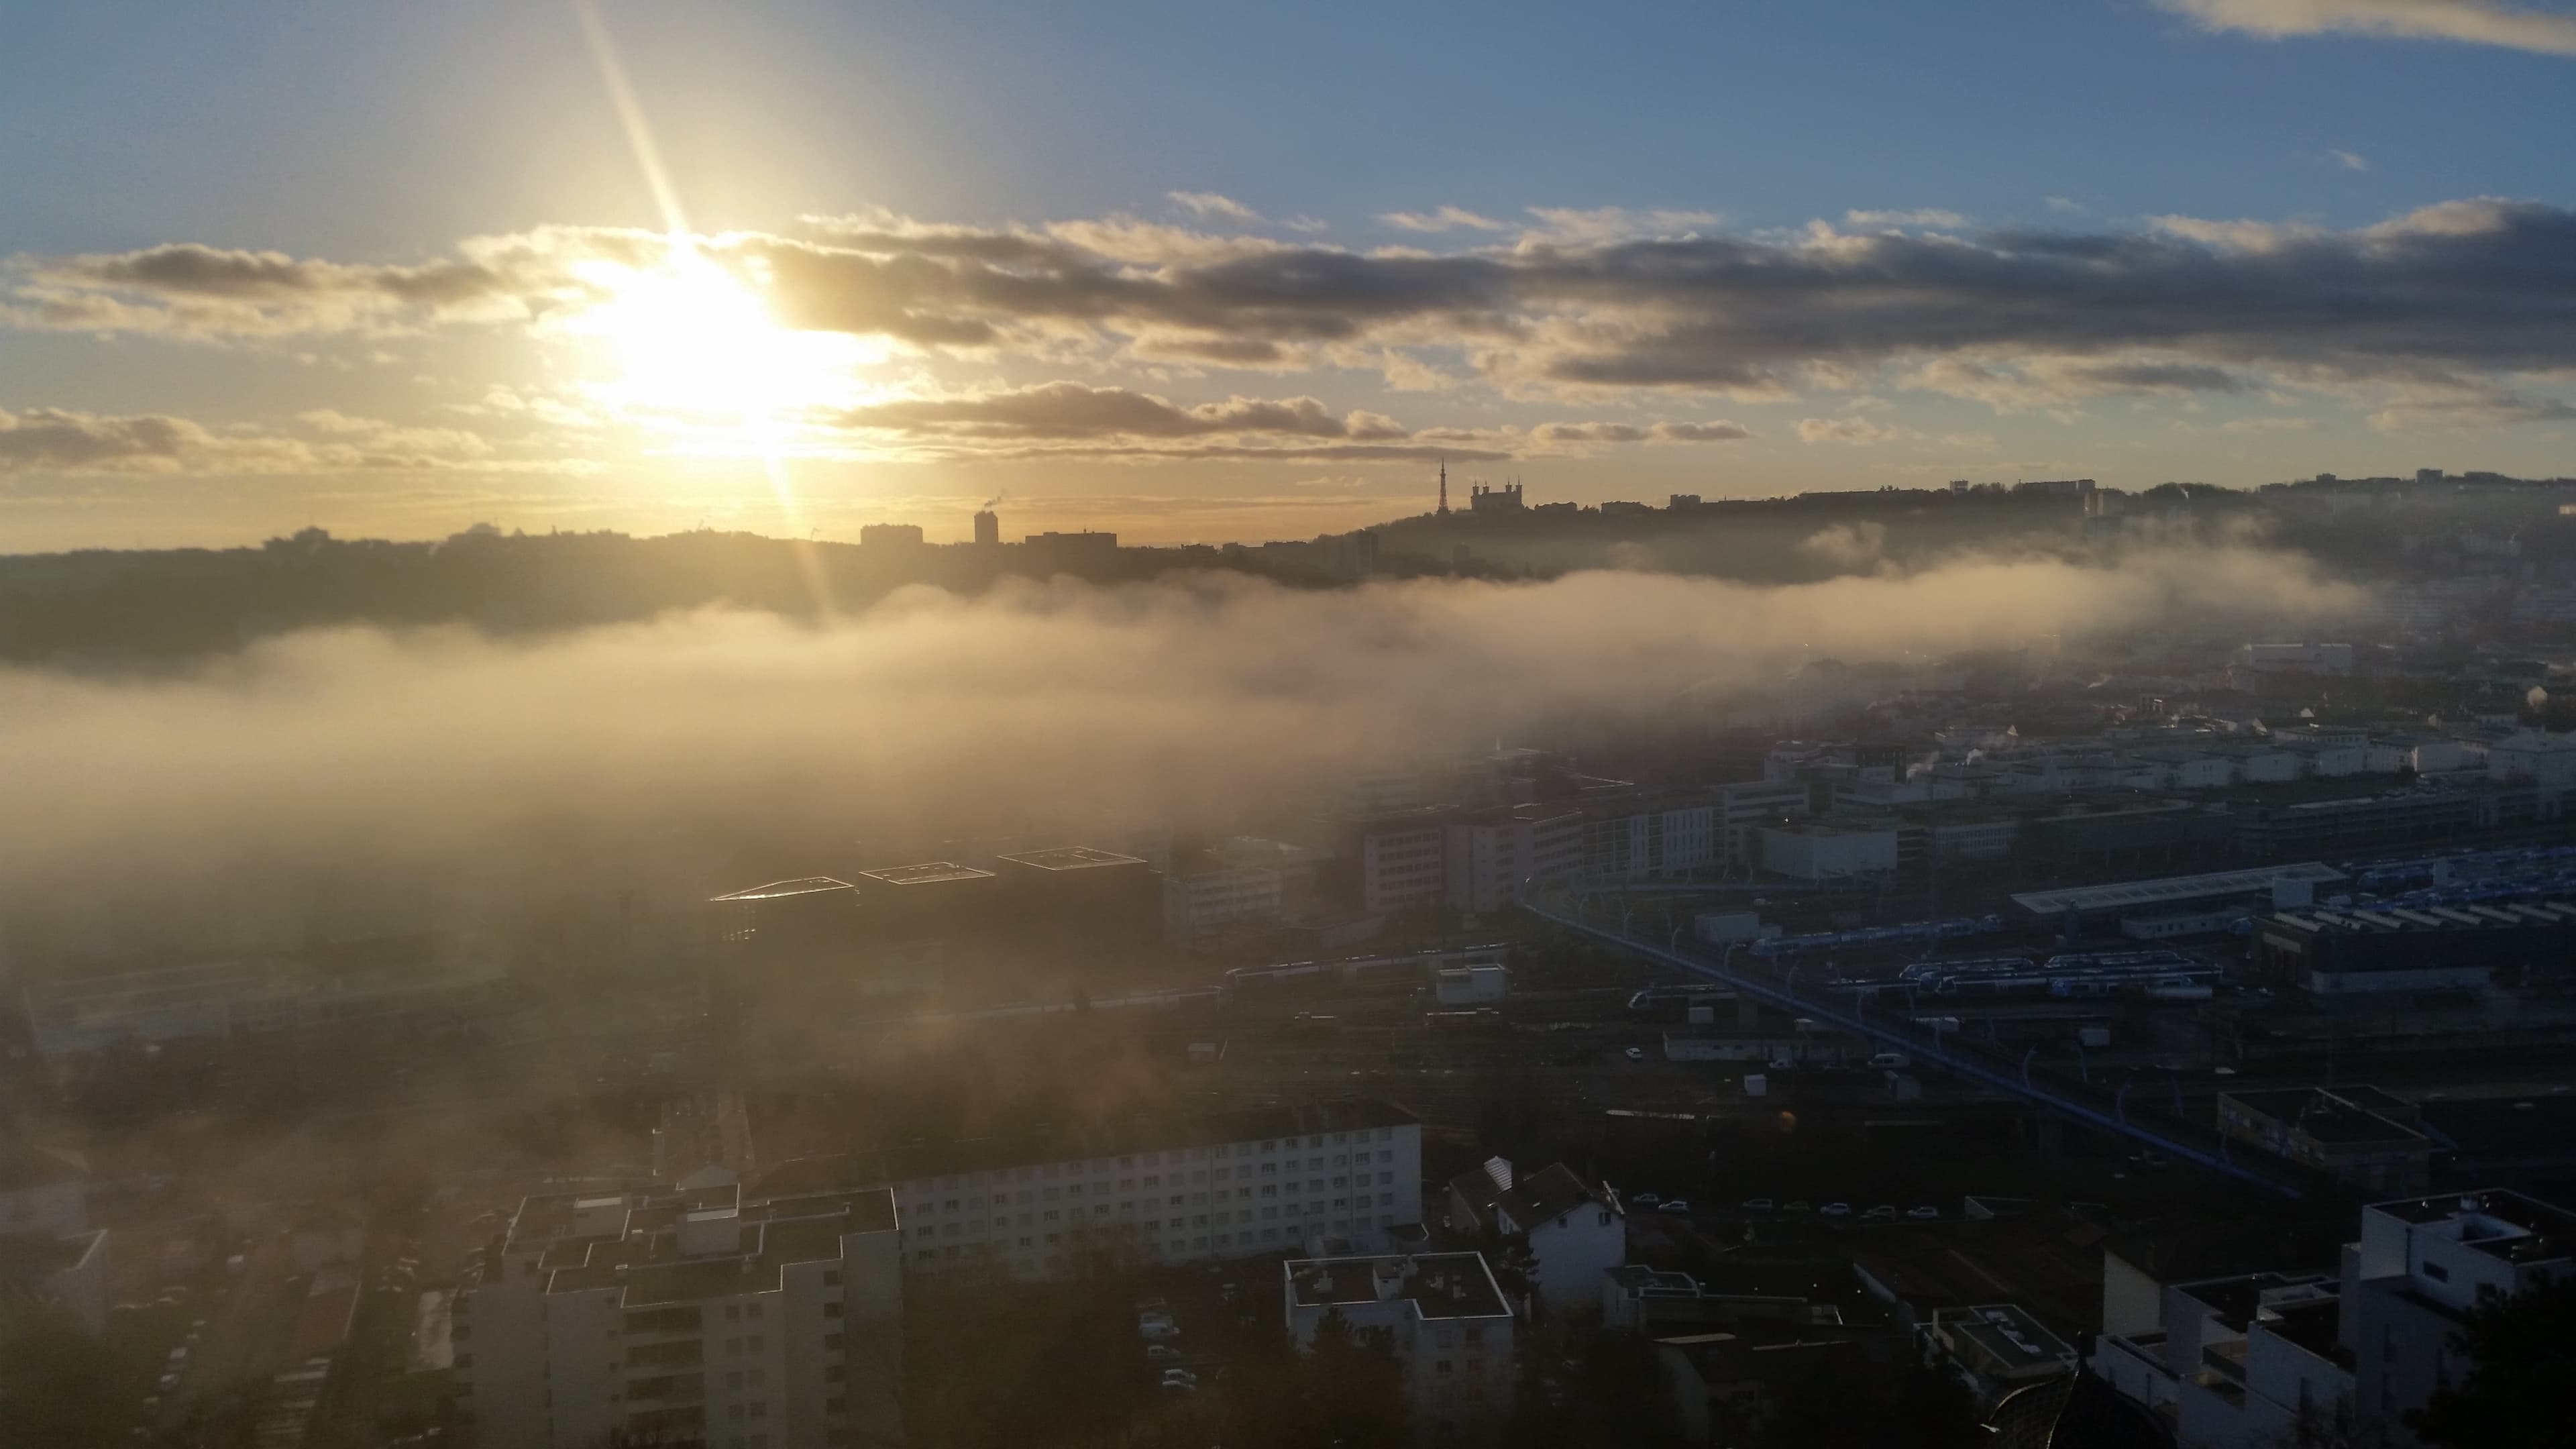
x: 1180, y: 1190
x: 1446, y: 1318
x: 686, y: 1311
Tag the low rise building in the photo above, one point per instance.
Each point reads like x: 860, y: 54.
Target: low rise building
x: 2359, y: 950
x: 1998, y: 1347
x: 2417, y: 1268
x: 1468, y: 985
x: 1444, y: 1315
x: 1722, y: 1388
x: 2360, y: 1136
x: 1575, y: 1231
x: 2241, y: 1362
x: 1490, y: 852
x: 1828, y: 852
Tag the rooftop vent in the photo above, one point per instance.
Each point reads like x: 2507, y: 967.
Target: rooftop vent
x: 1500, y: 1170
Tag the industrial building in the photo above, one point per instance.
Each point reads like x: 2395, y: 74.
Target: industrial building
x: 1490, y: 852
x: 2150, y: 902
x: 1078, y: 900
x: 2360, y: 1136
x: 2408, y: 948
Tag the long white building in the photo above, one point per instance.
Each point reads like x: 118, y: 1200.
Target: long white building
x: 690, y: 1312
x: 1172, y: 1190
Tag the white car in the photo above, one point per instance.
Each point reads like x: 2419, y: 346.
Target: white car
x: 1644, y: 1199
x: 1180, y: 1381
x: 1636, y: 1054
x: 1758, y: 1204
x: 1836, y: 1210
x: 1923, y: 1214
x: 1161, y: 1351
x: 1677, y: 1208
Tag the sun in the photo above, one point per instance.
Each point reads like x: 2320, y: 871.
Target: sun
x: 693, y: 346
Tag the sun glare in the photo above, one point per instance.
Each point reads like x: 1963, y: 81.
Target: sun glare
x: 693, y: 346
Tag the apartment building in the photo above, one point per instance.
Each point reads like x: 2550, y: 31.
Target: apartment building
x: 1661, y: 839
x: 1401, y: 860
x: 1175, y: 1190
x: 1447, y: 1318
x: 1575, y: 1231
x: 2239, y: 1362
x: 1491, y: 851
x: 687, y: 1311
x: 1747, y: 806
x: 2418, y: 1265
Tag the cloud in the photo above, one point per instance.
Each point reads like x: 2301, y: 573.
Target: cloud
x: 1848, y: 545
x: 2349, y: 160
x: 1853, y: 431
x: 2468, y: 288
x: 60, y: 441
x: 2268, y: 425
x: 1446, y: 218
x: 1615, y: 223
x: 2055, y: 382
x: 2474, y: 22
x: 1210, y: 204
x: 2466, y: 410
x: 1081, y: 420
x: 1926, y: 217
x: 1699, y: 432
x: 2068, y: 206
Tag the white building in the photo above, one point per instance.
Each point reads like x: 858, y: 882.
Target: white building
x: 1469, y: 985
x: 2264, y: 764
x: 2179, y: 767
x: 1490, y: 852
x: 1450, y: 1326
x: 2543, y: 759
x: 1744, y: 808
x: 1827, y: 852
x: 2418, y: 1266
x: 1653, y: 840
x: 2242, y: 1362
x: 2260, y: 1359
x: 1575, y: 1232
x: 688, y: 1312
x: 1184, y: 1189
x: 2298, y: 658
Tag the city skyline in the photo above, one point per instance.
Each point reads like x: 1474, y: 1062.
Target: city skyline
x: 762, y: 272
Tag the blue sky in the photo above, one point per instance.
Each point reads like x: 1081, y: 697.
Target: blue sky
x: 159, y: 404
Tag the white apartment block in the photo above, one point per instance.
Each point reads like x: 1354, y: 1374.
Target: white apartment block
x: 688, y: 1312
x: 1575, y: 1232
x: 2244, y: 1362
x: 1230, y: 1185
x: 1744, y: 808
x: 1664, y: 841
x: 2543, y: 759
x: 1490, y: 852
x: 2419, y: 1265
x: 1449, y: 1321
x: 2264, y: 1359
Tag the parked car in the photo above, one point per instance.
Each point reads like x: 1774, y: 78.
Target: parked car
x: 1884, y: 1212
x: 1180, y: 1381
x: 1157, y: 1325
x: 1160, y: 1351
x: 1636, y: 1054
x: 1153, y: 1305
x: 1797, y: 1205
x: 1758, y: 1204
x: 1836, y: 1210
x: 1677, y: 1207
x: 1644, y: 1199
x: 1923, y: 1214
x: 1891, y: 1061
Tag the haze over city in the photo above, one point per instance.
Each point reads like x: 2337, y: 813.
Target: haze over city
x: 1745, y: 726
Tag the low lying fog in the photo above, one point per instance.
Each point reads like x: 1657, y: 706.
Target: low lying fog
x: 1186, y: 700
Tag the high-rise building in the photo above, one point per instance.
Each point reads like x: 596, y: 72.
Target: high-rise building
x: 988, y: 526
x: 890, y: 535
x: 692, y: 1310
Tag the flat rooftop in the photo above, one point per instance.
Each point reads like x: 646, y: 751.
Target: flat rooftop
x: 1439, y: 1285
x: 927, y: 873
x: 802, y: 886
x: 2504, y: 1224
x: 2007, y: 1334
x: 2170, y: 889
x: 1070, y: 857
x: 2329, y: 1117
x: 1044, y: 1142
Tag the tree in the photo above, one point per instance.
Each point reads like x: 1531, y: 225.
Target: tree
x: 2521, y: 1385
x: 1346, y: 1390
